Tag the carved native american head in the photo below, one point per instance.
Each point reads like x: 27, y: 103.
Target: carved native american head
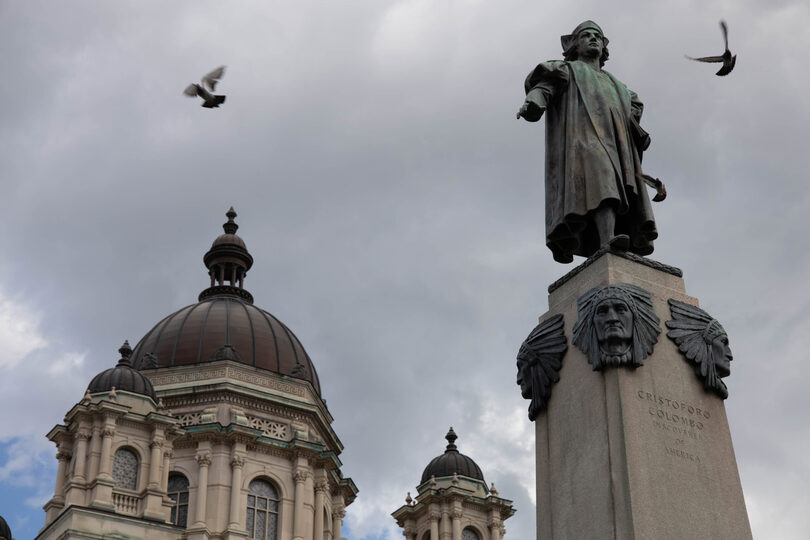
x: 539, y: 361
x: 617, y: 326
x: 704, y: 342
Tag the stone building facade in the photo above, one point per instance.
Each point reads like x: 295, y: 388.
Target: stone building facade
x: 453, y: 501
x: 211, y: 427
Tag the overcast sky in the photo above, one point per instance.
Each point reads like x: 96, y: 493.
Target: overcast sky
x: 394, y: 209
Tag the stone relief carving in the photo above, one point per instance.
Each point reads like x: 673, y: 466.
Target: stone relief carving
x: 617, y: 326
x: 189, y: 419
x: 274, y: 430
x: 703, y: 342
x: 538, y: 363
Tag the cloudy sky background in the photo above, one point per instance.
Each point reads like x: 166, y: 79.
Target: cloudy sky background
x: 394, y: 208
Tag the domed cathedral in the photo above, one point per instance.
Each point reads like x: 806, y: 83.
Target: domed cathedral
x: 5, y: 532
x: 453, y: 501
x: 211, y: 427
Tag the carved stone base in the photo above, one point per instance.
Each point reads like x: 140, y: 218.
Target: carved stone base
x: 640, y: 453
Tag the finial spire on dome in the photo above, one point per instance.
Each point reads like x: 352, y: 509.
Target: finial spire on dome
x: 451, y: 441
x: 230, y: 227
x: 125, y: 350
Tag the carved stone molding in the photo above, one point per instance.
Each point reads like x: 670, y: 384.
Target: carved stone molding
x: 83, y: 435
x: 322, y: 486
x: 617, y: 326
x: 434, y: 516
x: 64, y: 456
x: 203, y: 460
x: 238, y: 461
x: 108, y: 431
x: 538, y: 362
x: 157, y: 443
x: 301, y: 475
x: 230, y: 372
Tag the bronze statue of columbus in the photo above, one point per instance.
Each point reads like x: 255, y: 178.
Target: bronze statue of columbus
x: 595, y: 189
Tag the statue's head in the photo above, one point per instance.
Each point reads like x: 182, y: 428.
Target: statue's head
x: 617, y: 326
x: 704, y: 342
x: 587, y: 39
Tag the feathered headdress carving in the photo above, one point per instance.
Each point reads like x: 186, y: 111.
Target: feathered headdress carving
x: 539, y: 361
x: 693, y: 331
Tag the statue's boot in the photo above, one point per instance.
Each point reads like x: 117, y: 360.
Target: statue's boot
x: 620, y: 242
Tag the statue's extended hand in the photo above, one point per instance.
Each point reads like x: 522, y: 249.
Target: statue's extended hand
x: 530, y: 111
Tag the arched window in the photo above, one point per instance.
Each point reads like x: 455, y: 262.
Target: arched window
x: 262, y: 510
x: 125, y: 469
x: 469, y: 534
x: 426, y: 536
x: 178, y: 492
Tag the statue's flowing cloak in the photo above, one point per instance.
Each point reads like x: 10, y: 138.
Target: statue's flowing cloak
x: 593, y: 152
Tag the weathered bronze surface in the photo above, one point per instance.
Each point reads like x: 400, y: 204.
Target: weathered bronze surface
x: 703, y: 342
x: 595, y: 188
x: 539, y: 361
x: 617, y: 326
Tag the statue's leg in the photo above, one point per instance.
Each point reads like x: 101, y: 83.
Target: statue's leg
x: 604, y: 218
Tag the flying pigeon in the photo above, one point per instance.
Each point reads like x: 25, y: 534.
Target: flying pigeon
x: 726, y: 58
x: 210, y: 101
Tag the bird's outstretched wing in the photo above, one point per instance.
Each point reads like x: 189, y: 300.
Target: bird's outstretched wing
x: 212, y: 78
x: 191, y: 90
x: 724, y: 28
x: 706, y: 58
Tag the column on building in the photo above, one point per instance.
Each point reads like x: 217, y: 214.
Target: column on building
x: 301, y: 474
x: 435, y: 517
x: 105, y: 461
x: 456, y: 514
x: 321, y: 488
x: 61, y: 470
x: 237, y: 465
x: 338, y: 513
x: 82, y: 436
x: 446, y: 532
x: 203, y: 462
x: 167, y: 460
x: 95, y: 451
x: 155, y: 460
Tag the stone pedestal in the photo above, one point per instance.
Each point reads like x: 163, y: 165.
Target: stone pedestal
x: 640, y: 453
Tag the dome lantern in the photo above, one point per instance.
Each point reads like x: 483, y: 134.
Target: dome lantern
x: 228, y: 261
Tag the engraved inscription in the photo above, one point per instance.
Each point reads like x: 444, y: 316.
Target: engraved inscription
x: 686, y: 422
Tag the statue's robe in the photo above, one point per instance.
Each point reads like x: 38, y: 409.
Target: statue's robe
x: 593, y: 154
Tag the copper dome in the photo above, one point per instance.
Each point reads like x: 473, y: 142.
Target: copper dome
x: 452, y: 462
x: 122, y: 377
x: 224, y: 324
x: 5, y: 531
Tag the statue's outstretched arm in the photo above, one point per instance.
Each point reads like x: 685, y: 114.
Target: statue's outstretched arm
x: 543, y: 83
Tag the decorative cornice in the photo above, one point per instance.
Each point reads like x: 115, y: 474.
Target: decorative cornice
x: 234, y: 372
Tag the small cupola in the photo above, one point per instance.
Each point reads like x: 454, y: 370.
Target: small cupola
x: 228, y: 261
x: 122, y: 377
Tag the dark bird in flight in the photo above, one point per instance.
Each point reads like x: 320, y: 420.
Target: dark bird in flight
x: 204, y: 90
x: 726, y: 58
